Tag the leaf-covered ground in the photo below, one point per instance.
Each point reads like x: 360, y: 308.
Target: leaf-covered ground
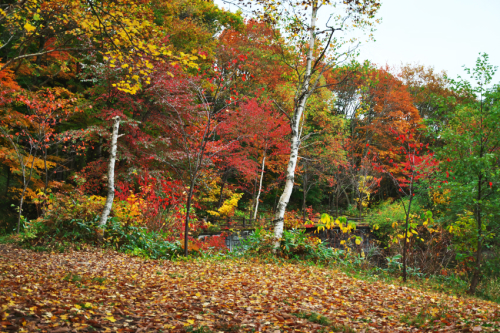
x: 96, y: 291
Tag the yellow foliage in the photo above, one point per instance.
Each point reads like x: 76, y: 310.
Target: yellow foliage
x: 329, y: 222
x: 227, y: 209
x: 135, y: 41
x: 130, y: 210
x: 364, y: 187
x: 441, y: 197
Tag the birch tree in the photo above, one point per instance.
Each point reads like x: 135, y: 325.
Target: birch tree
x: 310, y: 45
x: 111, y: 175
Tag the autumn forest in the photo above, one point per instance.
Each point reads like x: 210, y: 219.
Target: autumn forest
x: 177, y: 152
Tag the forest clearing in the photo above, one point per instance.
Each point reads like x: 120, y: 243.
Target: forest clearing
x: 107, y: 291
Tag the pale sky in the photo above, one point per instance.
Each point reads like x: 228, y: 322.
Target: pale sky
x: 445, y: 34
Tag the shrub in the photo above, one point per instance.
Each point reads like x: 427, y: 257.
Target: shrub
x: 260, y: 241
x: 382, y: 219
x: 129, y: 239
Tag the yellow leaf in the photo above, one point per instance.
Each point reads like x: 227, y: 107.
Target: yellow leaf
x: 111, y: 319
x: 78, y: 306
x: 28, y: 27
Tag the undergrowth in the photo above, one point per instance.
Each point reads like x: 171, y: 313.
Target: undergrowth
x: 296, y: 248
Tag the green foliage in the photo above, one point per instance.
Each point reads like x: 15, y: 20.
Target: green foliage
x: 316, y: 318
x: 129, y: 239
x: 470, y: 173
x: 382, y: 219
x: 352, y: 210
x: 489, y: 289
x: 260, y: 241
x: 297, y: 245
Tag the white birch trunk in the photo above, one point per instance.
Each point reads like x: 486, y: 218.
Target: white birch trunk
x: 300, y: 104
x: 111, y: 177
x: 260, y: 187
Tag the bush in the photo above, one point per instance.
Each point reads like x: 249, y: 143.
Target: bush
x: 128, y: 239
x: 296, y: 244
x: 260, y: 241
x: 382, y: 218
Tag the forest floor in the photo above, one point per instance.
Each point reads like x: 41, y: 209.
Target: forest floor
x: 96, y: 290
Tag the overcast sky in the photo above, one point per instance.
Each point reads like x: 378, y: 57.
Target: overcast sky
x: 445, y: 34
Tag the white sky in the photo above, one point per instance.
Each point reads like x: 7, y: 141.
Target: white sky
x: 445, y: 34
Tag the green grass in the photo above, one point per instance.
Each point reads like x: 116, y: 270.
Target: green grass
x: 8, y: 239
x: 72, y: 278
x: 316, y: 318
x: 429, y: 314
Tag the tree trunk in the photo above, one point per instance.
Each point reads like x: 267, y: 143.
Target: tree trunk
x: 330, y: 203
x: 337, y: 195
x: 304, y: 194
x: 300, y: 104
x: 8, y: 181
x: 347, y: 197
x: 99, y: 148
x: 405, y: 246
x: 477, y: 269
x: 111, y: 178
x: 46, y: 170
x: 260, y: 187
x: 221, y: 194
x: 188, y: 210
x: 360, y: 212
x: 26, y: 183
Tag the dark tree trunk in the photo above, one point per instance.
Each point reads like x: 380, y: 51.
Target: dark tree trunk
x: 221, y: 194
x: 8, y: 182
x: 46, y: 169
x: 188, y: 210
x: 476, y: 276
x: 405, y: 245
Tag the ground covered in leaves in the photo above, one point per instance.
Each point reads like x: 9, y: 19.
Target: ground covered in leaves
x: 108, y: 291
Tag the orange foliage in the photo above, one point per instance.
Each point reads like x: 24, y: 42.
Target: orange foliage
x: 7, y: 80
x: 263, y: 68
